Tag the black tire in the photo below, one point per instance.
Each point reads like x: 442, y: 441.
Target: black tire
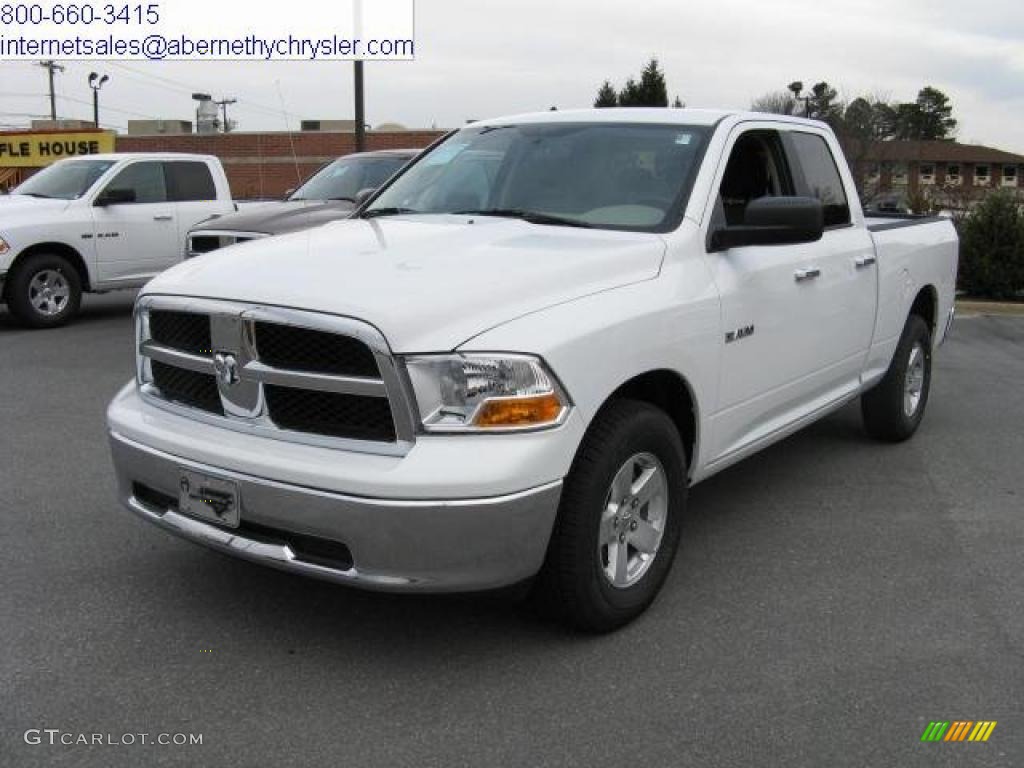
x: 20, y: 291
x: 883, y: 407
x: 572, y: 585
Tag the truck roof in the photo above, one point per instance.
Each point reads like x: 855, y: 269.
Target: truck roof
x: 143, y: 155
x: 660, y: 115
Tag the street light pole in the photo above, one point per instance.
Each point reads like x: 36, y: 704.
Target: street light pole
x: 96, y: 82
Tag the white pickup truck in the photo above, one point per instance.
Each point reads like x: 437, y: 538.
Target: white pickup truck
x: 100, y: 223
x: 512, y: 363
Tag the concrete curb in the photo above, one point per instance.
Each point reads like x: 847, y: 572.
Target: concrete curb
x: 989, y: 308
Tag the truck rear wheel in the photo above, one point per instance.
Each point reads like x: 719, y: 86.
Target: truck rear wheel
x: 892, y: 410
x: 619, y: 520
x: 44, y: 291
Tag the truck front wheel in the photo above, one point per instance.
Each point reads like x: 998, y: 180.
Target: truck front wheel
x: 619, y: 520
x: 892, y: 410
x: 44, y: 291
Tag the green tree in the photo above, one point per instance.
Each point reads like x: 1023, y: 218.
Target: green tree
x: 935, y: 114
x: 823, y: 104
x: 606, y: 96
x: 992, y: 248
x: 630, y: 95
x: 653, y: 91
x: 650, y: 91
x: 868, y: 120
x: 930, y: 117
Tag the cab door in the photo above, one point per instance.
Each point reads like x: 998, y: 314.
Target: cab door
x: 190, y: 185
x: 783, y: 307
x: 135, y: 225
x: 846, y: 291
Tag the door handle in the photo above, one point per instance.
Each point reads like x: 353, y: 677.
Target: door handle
x: 864, y: 261
x: 163, y: 217
x: 806, y: 274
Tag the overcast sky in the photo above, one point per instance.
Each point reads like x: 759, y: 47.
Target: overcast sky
x: 479, y: 59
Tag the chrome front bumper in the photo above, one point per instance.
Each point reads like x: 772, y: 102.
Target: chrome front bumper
x: 393, y: 545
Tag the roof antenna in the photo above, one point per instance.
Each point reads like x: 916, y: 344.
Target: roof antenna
x: 287, y: 127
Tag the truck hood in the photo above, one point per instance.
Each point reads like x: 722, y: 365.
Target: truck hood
x: 15, y: 208
x: 428, y: 282
x: 279, y: 218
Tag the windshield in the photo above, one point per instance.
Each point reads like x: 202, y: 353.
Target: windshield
x: 66, y: 180
x: 343, y: 179
x: 607, y: 175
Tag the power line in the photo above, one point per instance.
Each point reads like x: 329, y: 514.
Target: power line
x: 178, y: 85
x: 111, y: 109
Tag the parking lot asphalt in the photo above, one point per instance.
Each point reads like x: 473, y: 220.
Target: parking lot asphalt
x: 831, y: 597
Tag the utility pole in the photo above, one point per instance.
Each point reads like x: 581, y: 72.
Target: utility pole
x: 360, y: 108
x: 52, y: 67
x: 223, y: 104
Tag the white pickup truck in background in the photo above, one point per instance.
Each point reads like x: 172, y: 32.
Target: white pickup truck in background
x: 100, y: 223
x: 514, y: 360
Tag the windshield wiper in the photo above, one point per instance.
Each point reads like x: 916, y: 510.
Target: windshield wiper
x: 374, y: 213
x: 344, y: 198
x: 36, y: 194
x: 533, y: 217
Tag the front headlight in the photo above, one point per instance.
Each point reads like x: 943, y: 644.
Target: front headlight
x: 483, y: 393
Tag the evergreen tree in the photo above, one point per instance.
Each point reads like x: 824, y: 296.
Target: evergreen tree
x: 630, y: 95
x: 653, y: 91
x: 606, y: 96
x: 935, y: 114
x: 822, y: 104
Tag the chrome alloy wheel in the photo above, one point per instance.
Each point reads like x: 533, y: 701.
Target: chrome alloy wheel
x: 633, y: 520
x: 49, y: 292
x: 914, y: 381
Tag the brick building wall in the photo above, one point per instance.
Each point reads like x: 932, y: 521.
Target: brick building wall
x: 260, y: 165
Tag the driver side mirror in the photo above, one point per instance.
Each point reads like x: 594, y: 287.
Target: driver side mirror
x: 116, y: 196
x: 363, y: 195
x: 774, y: 221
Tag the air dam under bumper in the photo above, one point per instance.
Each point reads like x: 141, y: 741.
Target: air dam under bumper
x: 395, y: 545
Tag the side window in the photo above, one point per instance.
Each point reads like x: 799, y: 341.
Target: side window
x: 189, y: 181
x: 756, y: 168
x: 817, y: 175
x: 146, y: 180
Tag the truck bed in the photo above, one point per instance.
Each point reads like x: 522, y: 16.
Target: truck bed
x: 879, y: 222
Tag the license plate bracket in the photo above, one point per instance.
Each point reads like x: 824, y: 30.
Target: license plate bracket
x: 210, y: 498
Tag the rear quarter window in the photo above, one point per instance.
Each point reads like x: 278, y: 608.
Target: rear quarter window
x: 189, y: 181
x: 816, y: 174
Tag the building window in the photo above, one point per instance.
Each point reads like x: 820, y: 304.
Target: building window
x: 982, y: 175
x: 953, y: 174
x: 926, y: 173
x: 899, y: 174
x: 1009, y: 175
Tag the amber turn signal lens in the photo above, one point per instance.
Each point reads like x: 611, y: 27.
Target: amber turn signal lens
x: 520, y: 412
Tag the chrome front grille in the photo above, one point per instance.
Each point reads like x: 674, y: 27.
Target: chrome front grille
x: 290, y: 374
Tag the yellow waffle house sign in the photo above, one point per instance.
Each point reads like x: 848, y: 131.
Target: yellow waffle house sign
x: 35, y: 149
